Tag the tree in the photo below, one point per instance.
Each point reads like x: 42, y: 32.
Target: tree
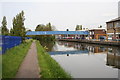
x: 42, y: 27
x: 11, y: 32
x: 29, y: 30
x: 47, y: 27
x: 100, y: 26
x: 78, y: 27
x: 4, y: 28
x: 18, y: 25
x: 67, y: 29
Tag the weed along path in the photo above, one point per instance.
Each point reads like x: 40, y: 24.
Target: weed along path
x: 29, y: 67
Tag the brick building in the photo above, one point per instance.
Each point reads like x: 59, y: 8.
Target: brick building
x: 98, y: 33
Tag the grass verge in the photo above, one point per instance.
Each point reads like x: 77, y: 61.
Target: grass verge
x: 48, y: 66
x: 0, y: 66
x: 12, y: 59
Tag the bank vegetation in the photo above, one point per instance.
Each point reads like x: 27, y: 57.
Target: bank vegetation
x: 48, y: 66
x: 13, y: 58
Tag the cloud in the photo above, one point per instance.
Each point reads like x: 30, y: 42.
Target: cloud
x: 59, y: 0
x: 62, y: 15
x: 109, y: 14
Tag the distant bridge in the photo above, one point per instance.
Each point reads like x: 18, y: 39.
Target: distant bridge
x: 57, y: 32
x: 69, y: 52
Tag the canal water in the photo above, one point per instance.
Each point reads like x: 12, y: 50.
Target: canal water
x: 83, y: 60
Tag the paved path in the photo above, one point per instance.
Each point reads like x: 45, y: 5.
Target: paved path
x: 29, y: 67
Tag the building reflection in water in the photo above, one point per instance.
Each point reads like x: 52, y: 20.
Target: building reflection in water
x: 113, y: 57
x: 81, y: 46
x: 113, y: 53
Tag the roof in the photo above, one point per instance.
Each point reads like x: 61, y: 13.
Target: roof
x: 113, y: 20
x: 97, y: 29
x: 56, y: 32
x: 81, y: 30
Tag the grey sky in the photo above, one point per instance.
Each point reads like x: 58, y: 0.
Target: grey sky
x: 61, y: 14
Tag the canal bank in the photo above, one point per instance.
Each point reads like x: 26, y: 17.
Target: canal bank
x: 110, y: 43
x: 49, y: 67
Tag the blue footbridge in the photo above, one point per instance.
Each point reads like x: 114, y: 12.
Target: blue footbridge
x: 57, y: 32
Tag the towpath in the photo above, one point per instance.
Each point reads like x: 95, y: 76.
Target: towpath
x: 29, y: 67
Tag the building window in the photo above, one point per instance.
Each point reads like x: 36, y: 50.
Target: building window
x: 110, y: 36
x: 92, y: 32
x: 110, y: 25
x: 117, y: 24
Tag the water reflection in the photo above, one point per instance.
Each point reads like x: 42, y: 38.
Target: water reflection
x: 113, y: 53
x: 48, y: 45
x: 83, y: 47
x: 69, y: 52
x: 113, y: 57
x: 86, y: 60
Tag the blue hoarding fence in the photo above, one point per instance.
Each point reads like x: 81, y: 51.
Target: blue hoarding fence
x: 7, y: 42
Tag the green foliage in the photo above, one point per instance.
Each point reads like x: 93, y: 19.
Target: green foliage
x: 4, y: 29
x: 49, y: 67
x: 42, y: 27
x: 12, y: 59
x: 48, y: 45
x: 78, y: 27
x: 18, y: 25
x: 11, y: 32
x: 100, y: 26
x: 0, y: 66
x: 47, y: 27
x: 67, y: 29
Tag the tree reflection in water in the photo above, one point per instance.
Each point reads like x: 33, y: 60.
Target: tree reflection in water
x: 48, y: 45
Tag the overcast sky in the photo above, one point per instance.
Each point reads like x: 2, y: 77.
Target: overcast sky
x: 63, y: 14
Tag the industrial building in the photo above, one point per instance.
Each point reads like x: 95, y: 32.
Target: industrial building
x: 113, y: 27
x: 98, y: 33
